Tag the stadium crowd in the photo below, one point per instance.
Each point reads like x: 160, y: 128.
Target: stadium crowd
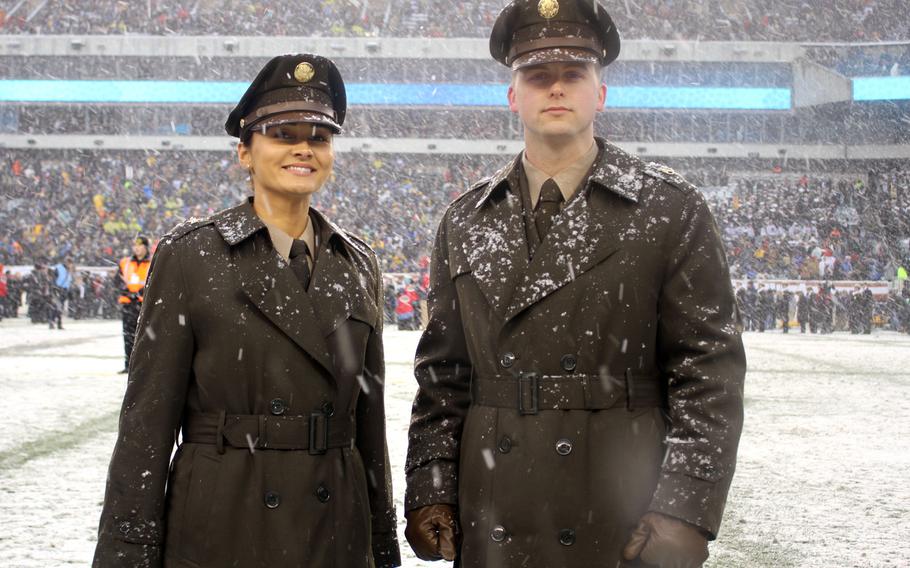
x: 816, y: 228
x: 753, y: 20
x: 390, y: 70
x: 88, y: 204
x: 840, y: 123
x: 86, y: 207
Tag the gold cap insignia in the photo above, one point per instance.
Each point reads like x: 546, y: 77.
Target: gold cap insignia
x: 242, y: 122
x: 304, y: 72
x: 548, y: 8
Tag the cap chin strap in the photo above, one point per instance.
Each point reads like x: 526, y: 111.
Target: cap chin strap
x: 552, y: 43
x: 290, y: 106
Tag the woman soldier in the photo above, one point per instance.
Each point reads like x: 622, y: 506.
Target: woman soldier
x: 260, y: 342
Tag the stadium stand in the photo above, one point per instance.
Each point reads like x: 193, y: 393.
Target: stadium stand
x: 717, y: 20
x: 815, y: 188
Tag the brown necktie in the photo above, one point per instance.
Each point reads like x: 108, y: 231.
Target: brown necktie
x: 547, y: 207
x: 298, y: 261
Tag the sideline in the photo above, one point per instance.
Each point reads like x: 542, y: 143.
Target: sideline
x: 22, y: 348
x: 59, y: 440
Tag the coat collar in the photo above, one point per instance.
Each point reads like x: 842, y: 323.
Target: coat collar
x: 237, y: 223
x: 340, y: 286
x: 498, y: 179
x: 343, y: 283
x: 614, y: 170
x: 585, y: 233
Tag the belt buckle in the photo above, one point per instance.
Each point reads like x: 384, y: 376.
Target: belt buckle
x: 533, y: 382
x: 319, y: 424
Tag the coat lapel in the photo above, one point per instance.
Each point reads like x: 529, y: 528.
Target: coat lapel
x: 340, y: 280
x: 495, y: 248
x: 576, y: 242
x: 269, y: 284
x: 585, y: 233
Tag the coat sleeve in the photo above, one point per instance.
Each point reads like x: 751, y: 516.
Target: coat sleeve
x: 701, y: 354
x: 443, y: 372
x: 371, y: 442
x: 132, y: 527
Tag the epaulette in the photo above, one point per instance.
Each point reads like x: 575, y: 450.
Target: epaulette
x: 669, y: 175
x: 477, y: 185
x: 187, y: 227
x: 480, y: 183
x: 357, y: 243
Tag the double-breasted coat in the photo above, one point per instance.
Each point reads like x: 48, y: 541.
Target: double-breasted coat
x: 278, y: 395
x: 564, y: 395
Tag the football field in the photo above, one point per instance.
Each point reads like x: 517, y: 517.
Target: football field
x: 821, y: 479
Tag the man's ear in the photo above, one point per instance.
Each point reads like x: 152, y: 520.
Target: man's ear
x: 602, y: 98
x: 512, y: 106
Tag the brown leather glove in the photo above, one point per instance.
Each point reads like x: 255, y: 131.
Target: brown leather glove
x: 667, y: 542
x: 431, y: 532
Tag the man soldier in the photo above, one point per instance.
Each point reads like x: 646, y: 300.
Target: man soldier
x: 854, y: 310
x: 802, y: 311
x: 750, y: 314
x: 133, y: 273
x: 581, y: 374
x: 783, y: 310
x: 765, y: 308
x: 867, y: 310
x: 39, y: 288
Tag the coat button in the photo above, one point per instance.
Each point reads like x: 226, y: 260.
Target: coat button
x: 505, y: 445
x: 277, y: 406
x: 507, y: 359
x: 498, y: 534
x: 323, y: 494
x: 569, y: 362
x: 567, y: 537
x: 563, y: 447
x: 328, y: 408
x: 272, y: 499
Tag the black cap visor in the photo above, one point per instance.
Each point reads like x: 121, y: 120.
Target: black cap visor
x: 555, y: 55
x: 290, y: 117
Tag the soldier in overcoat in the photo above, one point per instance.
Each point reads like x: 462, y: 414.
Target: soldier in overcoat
x: 259, y: 347
x: 581, y: 375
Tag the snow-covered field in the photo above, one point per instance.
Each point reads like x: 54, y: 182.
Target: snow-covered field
x: 823, y: 467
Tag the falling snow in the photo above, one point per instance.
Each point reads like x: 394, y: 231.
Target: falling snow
x: 820, y: 481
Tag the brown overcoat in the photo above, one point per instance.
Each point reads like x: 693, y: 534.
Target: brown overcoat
x: 564, y: 396
x: 278, y: 394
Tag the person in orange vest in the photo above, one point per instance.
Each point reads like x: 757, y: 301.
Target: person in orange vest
x: 133, y: 272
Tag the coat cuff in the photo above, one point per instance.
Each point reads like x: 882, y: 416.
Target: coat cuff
x: 433, y: 483
x: 385, y: 550
x: 112, y: 552
x: 691, y: 499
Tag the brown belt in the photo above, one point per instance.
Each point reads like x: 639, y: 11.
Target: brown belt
x: 530, y: 393
x: 315, y: 433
